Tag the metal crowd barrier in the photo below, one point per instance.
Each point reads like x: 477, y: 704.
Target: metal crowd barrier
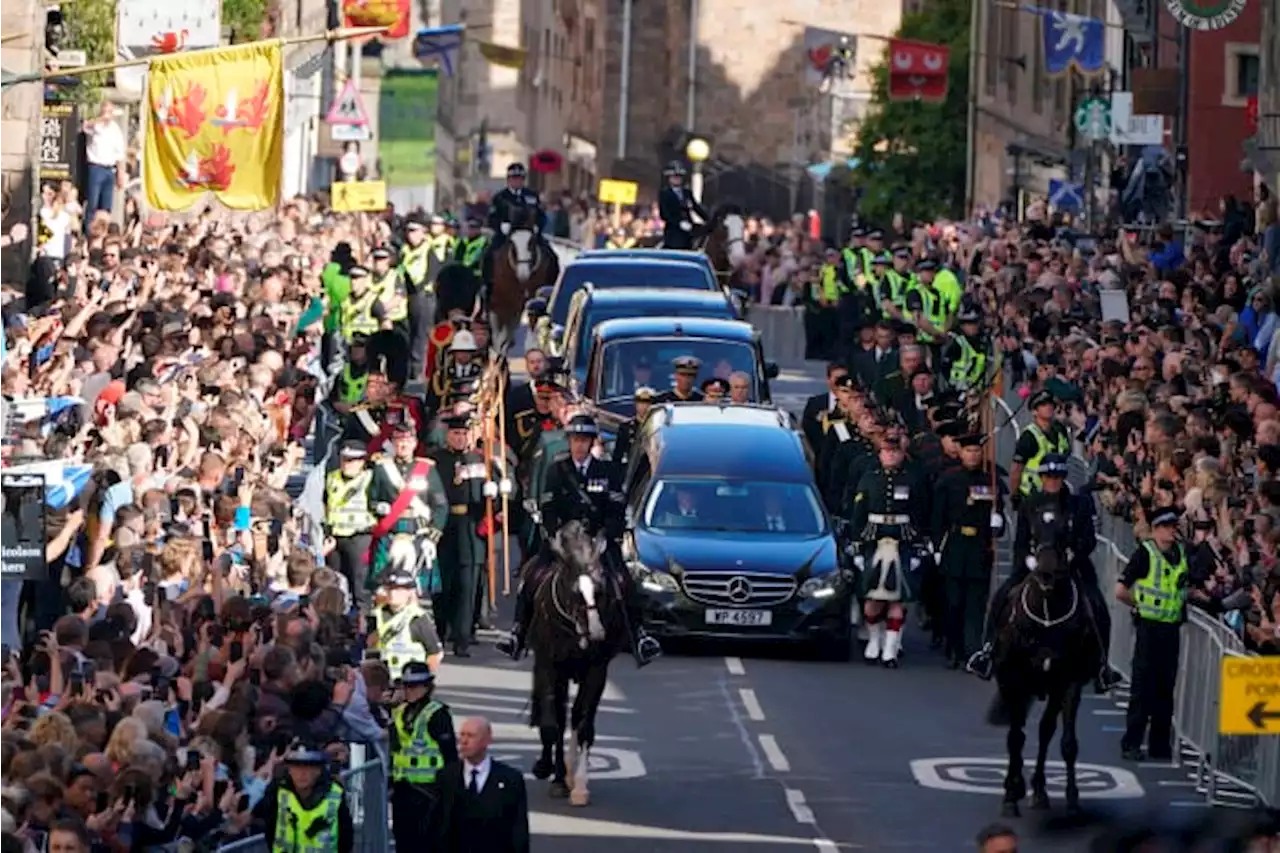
x: 1228, y: 769
x: 366, y: 795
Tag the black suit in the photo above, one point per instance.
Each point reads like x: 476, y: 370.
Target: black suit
x: 494, y: 821
x: 871, y: 371
x: 813, y: 422
x: 674, y: 206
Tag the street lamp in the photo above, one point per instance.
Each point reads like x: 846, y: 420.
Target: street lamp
x: 698, y: 150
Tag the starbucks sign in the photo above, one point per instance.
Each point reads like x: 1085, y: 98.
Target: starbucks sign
x: 1205, y: 14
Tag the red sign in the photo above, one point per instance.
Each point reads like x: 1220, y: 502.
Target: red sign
x: 546, y: 162
x: 378, y: 13
x: 918, y: 71
x: 1251, y: 113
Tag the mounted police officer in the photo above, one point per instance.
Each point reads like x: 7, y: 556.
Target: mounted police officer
x: 1053, y: 518
x: 1043, y: 436
x: 583, y: 488
x: 404, y: 631
x: 422, y: 744
x: 305, y: 811
x: 676, y: 206
x: 502, y: 209
x: 348, y: 519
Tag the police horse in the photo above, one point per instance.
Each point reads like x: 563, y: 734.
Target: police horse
x: 577, y: 626
x: 1046, y: 648
x: 520, y: 266
x: 722, y: 239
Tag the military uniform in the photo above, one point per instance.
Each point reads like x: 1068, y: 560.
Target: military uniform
x: 622, y: 443
x: 399, y: 411
x: 462, y: 552
x: 409, y: 500
x: 349, y: 521
x: 686, y: 367
x: 422, y: 744
x: 453, y: 372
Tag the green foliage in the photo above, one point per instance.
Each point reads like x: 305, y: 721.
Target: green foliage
x: 91, y: 27
x: 244, y: 18
x: 912, y: 155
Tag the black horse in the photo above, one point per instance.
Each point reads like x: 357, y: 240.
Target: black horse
x: 1047, y: 648
x: 457, y: 289
x: 576, y: 628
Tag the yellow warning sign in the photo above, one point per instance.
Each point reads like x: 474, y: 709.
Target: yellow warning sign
x: 359, y: 196
x: 1250, y: 696
x: 618, y: 192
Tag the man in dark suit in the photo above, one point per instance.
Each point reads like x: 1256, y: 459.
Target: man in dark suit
x: 878, y: 360
x: 818, y: 408
x: 483, y: 804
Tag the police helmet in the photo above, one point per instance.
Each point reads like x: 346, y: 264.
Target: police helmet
x: 517, y: 170
x: 353, y: 449
x: 927, y: 265
x: 1042, y: 397
x: 675, y: 167
x: 883, y: 258
x: 399, y: 578
x: 417, y: 674
x: 582, y: 425
x: 463, y: 341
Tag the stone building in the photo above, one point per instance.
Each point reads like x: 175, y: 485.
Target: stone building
x: 1266, y: 141
x: 22, y: 22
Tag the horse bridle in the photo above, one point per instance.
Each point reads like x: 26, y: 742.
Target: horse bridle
x: 578, y: 627
x: 1047, y: 621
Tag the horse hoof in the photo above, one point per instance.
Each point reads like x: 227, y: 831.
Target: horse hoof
x: 542, y: 769
x: 559, y: 790
x: 1040, y: 801
x: 1010, y: 810
x: 579, y: 797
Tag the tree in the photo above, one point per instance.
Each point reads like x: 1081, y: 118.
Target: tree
x: 91, y: 27
x: 244, y: 18
x: 912, y: 155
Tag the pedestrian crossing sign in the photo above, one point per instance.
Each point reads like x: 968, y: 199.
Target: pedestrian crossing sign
x: 347, y: 108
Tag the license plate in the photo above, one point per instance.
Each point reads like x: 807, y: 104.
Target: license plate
x: 740, y: 617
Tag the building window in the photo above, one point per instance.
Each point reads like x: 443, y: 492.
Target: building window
x: 1240, y: 79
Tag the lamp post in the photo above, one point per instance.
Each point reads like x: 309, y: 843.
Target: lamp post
x: 698, y: 150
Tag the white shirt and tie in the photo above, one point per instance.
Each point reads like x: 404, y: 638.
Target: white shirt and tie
x: 475, y: 775
x: 880, y: 354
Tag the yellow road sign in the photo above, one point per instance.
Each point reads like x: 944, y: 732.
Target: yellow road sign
x: 618, y: 192
x: 1250, y: 700
x: 358, y: 196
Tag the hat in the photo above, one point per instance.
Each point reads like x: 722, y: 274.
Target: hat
x: 582, y: 425
x: 882, y: 258
x: 463, y: 341
x: 687, y: 364
x: 299, y: 754
x: 547, y: 384
x: 475, y: 221
x: 399, y: 578
x: 1053, y: 465
x: 950, y: 429
x: 516, y: 170
x: 353, y: 449
x: 456, y: 421
x: 1166, y: 516
x: 357, y: 271
x: 722, y: 385
x: 1041, y: 398
x: 416, y: 674
x: 415, y: 220
x: 381, y: 253
x: 875, y: 234
x: 359, y: 340
x: 645, y: 394
x: 437, y: 219
x: 405, y: 427
x: 857, y: 231
x: 969, y: 314
x: 902, y: 252
x: 926, y: 265
x: 846, y: 380
x: 973, y: 439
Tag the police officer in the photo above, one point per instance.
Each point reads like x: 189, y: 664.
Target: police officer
x: 1044, y: 435
x: 404, y: 631
x: 965, y: 357
x: 470, y: 247
x: 967, y: 514
x: 408, y: 499
x: 620, y: 239
x: 348, y: 519
x: 515, y: 196
x: 676, y: 206
x: 415, y: 272
x: 392, y: 292
x: 1154, y: 583
x: 351, y: 387
x: 686, y: 373
x: 362, y: 313
x: 644, y: 398
x: 440, y: 246
x: 459, y: 366
x: 462, y: 553
x: 422, y: 744
x: 304, y: 811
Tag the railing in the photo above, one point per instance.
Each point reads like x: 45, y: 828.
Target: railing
x: 366, y: 795
x: 1229, y: 770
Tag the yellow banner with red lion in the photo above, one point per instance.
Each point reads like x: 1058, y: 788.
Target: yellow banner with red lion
x: 215, y: 123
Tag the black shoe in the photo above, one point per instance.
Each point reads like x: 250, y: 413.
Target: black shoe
x: 980, y: 663
x: 461, y: 652
x: 511, y: 645
x: 1106, y: 679
x: 647, y: 650
x: 1132, y: 754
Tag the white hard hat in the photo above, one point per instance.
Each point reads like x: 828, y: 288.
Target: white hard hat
x: 463, y: 341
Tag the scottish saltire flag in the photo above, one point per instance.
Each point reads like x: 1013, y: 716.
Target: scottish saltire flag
x: 63, y: 481
x: 1072, y: 41
x: 28, y: 409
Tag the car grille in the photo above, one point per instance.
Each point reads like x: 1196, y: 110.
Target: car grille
x: 724, y: 589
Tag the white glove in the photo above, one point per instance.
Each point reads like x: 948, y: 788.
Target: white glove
x: 686, y: 226
x: 997, y: 521
x: 427, y: 549
x: 505, y: 228
x: 505, y: 486
x: 490, y: 489
x: 1031, y: 561
x: 381, y: 508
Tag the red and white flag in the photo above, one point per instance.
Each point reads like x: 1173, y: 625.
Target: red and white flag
x: 918, y: 71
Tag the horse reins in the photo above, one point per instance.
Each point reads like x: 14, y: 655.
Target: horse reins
x: 1047, y: 621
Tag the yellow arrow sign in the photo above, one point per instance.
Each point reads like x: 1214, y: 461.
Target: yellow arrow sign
x: 357, y: 196
x: 1250, y: 696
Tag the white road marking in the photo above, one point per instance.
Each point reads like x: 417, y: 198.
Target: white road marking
x: 1177, y: 783
x: 773, y: 753
x: 507, y: 679
x: 606, y: 763
x: 986, y: 776
x: 751, y: 703
x: 519, y: 731
x: 799, y: 808
x: 544, y: 823
x: 735, y: 666
x: 826, y: 845
x: 1108, y: 712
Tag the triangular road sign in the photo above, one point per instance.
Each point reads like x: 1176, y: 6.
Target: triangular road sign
x: 347, y: 108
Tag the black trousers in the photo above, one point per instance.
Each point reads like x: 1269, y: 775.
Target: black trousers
x: 350, y: 559
x: 965, y: 604
x: 1155, y: 673
x: 422, y: 317
x: 413, y: 817
x: 459, y: 582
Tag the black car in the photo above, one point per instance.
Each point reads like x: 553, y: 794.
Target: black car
x: 592, y: 306
x: 727, y: 536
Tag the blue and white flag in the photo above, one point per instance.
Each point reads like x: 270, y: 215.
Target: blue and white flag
x: 1066, y: 196
x: 1072, y: 40
x: 28, y: 409
x: 63, y: 481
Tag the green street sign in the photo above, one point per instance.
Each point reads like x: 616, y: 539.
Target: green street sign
x: 1093, y: 118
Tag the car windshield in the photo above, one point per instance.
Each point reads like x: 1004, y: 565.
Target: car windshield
x: 734, y: 506
x: 630, y: 364
x: 598, y: 315
x: 630, y: 273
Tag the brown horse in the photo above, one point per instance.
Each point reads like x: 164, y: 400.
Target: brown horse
x: 519, y: 267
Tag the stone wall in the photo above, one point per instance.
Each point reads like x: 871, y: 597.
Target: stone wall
x: 19, y: 120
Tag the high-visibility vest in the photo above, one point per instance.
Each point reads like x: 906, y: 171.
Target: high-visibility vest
x: 832, y: 286
x: 1031, y: 471
x: 352, y: 388
x: 392, y: 294
x: 867, y: 257
x: 624, y: 243
x: 314, y: 830
x: 417, y: 758
x: 413, y: 263
x: 949, y: 288
x: 395, y: 638
x: 357, y: 315
x: 931, y: 306
x: 1161, y: 595
x: 852, y: 263
x: 969, y: 369
x: 347, y: 503
x: 471, y: 252
x: 441, y: 246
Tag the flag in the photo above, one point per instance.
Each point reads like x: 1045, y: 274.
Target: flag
x: 1072, y: 41
x: 63, y: 481
x: 378, y: 13
x: 438, y: 44
x: 215, y: 123
x: 918, y: 71
x: 150, y: 27
x: 501, y: 55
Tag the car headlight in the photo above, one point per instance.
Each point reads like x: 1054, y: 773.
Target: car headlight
x: 651, y: 581
x: 823, y: 586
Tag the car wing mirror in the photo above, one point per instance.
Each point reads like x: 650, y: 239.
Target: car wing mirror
x: 771, y: 370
